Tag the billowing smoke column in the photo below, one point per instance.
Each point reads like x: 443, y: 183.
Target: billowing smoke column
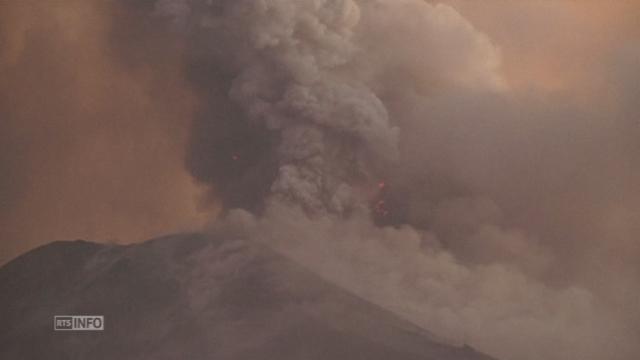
x: 308, y: 106
x: 285, y: 60
x: 298, y: 73
x: 328, y: 128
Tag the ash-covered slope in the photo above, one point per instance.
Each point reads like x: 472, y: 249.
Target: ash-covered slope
x: 194, y: 297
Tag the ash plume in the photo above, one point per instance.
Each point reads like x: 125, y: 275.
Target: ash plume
x: 378, y: 143
x: 325, y: 132
x: 430, y: 157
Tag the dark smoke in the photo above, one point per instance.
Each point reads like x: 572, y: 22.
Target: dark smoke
x: 474, y: 183
x: 379, y: 143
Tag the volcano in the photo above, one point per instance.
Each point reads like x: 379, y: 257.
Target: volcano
x: 192, y: 296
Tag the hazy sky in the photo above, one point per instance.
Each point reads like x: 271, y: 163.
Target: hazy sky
x: 93, y: 138
x: 506, y: 133
x: 87, y: 115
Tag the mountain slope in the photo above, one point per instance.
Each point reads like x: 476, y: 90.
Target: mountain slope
x: 194, y: 297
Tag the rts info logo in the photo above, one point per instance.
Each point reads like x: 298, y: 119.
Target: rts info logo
x: 78, y: 322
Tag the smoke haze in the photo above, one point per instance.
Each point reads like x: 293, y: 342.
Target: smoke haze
x: 95, y: 118
x: 472, y: 168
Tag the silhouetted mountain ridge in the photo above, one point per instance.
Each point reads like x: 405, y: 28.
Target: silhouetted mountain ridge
x: 191, y: 296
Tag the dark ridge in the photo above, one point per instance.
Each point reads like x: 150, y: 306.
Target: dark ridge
x: 192, y: 296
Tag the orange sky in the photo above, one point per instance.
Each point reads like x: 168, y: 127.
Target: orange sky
x: 94, y: 146
x: 555, y: 45
x: 83, y: 117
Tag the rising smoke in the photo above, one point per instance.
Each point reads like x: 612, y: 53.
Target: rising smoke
x: 378, y: 143
x: 389, y: 145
